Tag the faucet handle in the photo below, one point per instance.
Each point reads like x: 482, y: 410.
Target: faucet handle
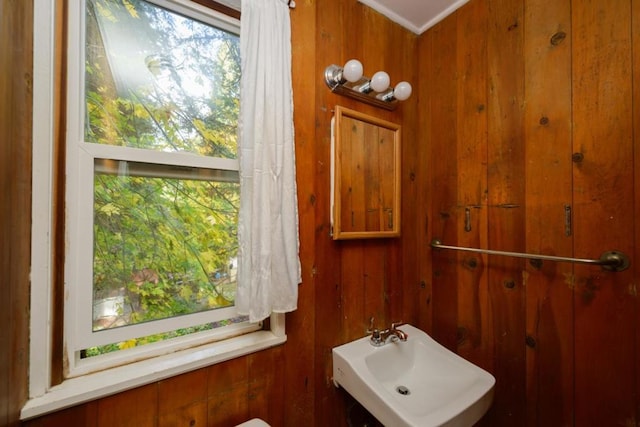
x: 375, y: 334
x: 394, y: 325
x: 371, y: 326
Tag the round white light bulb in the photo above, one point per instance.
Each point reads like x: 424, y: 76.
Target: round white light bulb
x: 380, y: 81
x: 402, y: 91
x: 352, y: 71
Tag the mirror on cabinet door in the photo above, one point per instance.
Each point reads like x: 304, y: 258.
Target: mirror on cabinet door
x: 366, y: 176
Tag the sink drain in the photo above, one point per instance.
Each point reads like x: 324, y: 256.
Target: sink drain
x: 403, y: 390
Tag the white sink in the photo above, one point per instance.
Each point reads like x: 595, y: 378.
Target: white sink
x: 413, y: 383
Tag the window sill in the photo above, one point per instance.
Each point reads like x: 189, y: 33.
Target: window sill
x: 93, y: 386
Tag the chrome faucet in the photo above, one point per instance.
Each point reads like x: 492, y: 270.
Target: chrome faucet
x: 380, y: 338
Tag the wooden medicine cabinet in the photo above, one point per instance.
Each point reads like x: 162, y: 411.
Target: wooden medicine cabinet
x: 365, y: 176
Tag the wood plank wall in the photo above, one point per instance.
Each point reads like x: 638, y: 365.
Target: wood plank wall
x: 16, y: 38
x: 344, y: 283
x: 360, y: 279
x: 520, y: 111
x: 535, y: 113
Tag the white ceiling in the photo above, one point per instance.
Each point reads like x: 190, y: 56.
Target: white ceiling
x: 415, y: 15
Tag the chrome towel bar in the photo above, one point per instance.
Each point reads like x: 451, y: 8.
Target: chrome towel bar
x: 609, y: 260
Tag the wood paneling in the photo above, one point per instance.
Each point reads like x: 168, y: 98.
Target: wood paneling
x: 299, y: 356
x: 357, y: 280
x: 328, y: 298
x: 520, y: 109
x: 228, y: 392
x: 344, y: 283
x: 16, y: 39
x: 137, y: 407
x: 82, y: 415
x: 635, y: 33
x: 182, y: 400
x: 560, y: 136
x: 266, y: 386
x: 423, y: 176
x: 475, y: 335
x: 505, y: 200
x: 548, y: 180
x: 605, y: 305
x: 444, y: 178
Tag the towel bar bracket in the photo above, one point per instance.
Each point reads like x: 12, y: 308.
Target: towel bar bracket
x: 609, y: 260
x: 614, y: 261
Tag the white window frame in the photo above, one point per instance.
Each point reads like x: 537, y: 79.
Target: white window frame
x: 162, y: 360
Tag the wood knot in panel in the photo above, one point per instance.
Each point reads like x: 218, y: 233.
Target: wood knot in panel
x: 558, y: 38
x: 577, y: 157
x: 530, y: 341
x: 536, y: 263
x: 470, y: 263
x: 461, y: 335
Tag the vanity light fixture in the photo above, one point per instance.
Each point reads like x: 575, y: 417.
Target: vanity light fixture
x: 350, y: 81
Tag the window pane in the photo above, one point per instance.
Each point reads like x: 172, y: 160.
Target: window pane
x: 158, y: 80
x: 164, y: 241
x: 149, y: 339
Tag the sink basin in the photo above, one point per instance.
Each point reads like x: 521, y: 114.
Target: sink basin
x: 413, y: 383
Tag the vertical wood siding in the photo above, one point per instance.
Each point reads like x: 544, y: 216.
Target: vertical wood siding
x: 16, y: 74
x: 357, y: 280
x: 605, y: 310
x: 521, y: 109
x: 344, y: 283
x: 548, y: 181
x: 561, y: 124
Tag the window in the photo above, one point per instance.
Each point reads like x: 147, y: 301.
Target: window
x: 153, y: 255
x: 152, y: 193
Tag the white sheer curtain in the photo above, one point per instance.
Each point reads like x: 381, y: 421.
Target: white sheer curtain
x: 268, y: 262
